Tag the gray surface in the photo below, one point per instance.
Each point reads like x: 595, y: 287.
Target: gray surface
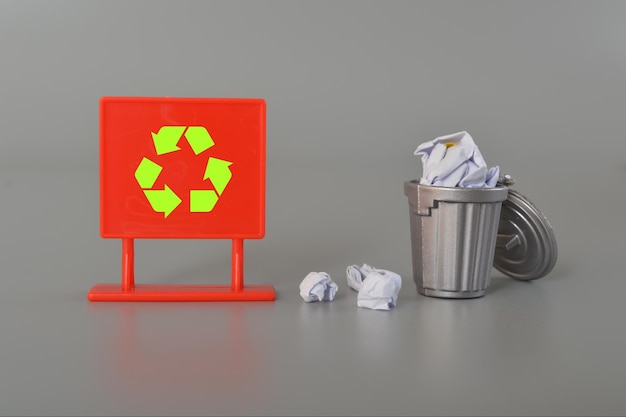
x: 352, y: 88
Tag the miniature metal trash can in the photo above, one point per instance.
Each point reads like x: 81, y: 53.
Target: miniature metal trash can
x: 453, y: 238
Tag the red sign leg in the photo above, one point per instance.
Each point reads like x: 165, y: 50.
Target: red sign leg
x: 237, y: 265
x: 128, y: 264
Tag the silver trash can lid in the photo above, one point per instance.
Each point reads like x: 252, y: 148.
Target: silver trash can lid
x: 526, y: 246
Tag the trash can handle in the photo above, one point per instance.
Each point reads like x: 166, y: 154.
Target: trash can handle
x: 508, y: 242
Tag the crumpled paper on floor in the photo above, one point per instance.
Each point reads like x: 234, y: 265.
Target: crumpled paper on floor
x: 455, y: 161
x: 378, y: 288
x: 318, y: 286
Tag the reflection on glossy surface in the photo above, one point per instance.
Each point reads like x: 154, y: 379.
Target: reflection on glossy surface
x: 154, y: 350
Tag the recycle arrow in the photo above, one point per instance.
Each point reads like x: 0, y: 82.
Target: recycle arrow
x: 147, y: 173
x: 202, y: 201
x: 199, y: 139
x: 166, y: 140
x: 218, y: 171
x: 163, y: 201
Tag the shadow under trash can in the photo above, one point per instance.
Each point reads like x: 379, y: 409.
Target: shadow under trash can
x: 456, y: 233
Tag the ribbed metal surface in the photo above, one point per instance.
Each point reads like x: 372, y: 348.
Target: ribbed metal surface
x: 454, y: 245
x: 458, y: 246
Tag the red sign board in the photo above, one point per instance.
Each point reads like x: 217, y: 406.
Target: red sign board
x: 182, y: 168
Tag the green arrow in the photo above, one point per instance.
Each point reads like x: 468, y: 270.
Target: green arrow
x: 147, y: 173
x: 202, y: 201
x: 163, y: 201
x: 218, y: 172
x: 199, y: 139
x: 165, y: 141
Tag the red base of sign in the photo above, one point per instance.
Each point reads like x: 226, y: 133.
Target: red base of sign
x: 148, y: 292
x: 129, y: 291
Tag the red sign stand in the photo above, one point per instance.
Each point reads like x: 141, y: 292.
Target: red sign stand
x: 159, y: 178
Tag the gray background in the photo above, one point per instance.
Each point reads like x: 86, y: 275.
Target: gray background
x: 351, y: 88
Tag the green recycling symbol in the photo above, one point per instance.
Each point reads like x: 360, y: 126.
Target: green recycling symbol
x: 217, y: 171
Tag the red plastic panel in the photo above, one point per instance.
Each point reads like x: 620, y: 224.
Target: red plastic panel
x: 182, y: 168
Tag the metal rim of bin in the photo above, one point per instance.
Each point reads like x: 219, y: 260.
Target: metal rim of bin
x: 426, y: 199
